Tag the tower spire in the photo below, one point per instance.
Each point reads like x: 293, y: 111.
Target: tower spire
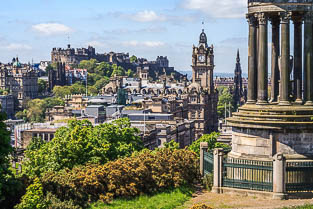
x: 202, y: 26
x: 238, y: 56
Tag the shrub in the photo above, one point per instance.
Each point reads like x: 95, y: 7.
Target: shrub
x: 201, y: 206
x: 55, y: 203
x: 208, y: 181
x: 144, y: 173
x: 34, y: 197
x: 211, y: 139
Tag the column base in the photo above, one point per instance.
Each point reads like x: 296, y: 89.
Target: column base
x: 262, y: 102
x: 308, y: 103
x: 273, y: 100
x: 284, y: 103
x: 298, y: 101
x: 279, y: 196
x: 251, y: 102
x: 216, y: 190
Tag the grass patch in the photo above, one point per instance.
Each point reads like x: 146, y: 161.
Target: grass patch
x: 300, y: 207
x: 165, y: 200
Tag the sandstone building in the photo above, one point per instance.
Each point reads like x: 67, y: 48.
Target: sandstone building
x: 20, y: 80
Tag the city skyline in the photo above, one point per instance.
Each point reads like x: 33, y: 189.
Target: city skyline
x: 145, y: 29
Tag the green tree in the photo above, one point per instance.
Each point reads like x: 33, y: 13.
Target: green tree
x: 101, y: 83
x: 9, y: 185
x: 81, y: 143
x: 61, y: 91
x: 130, y: 73
x: 42, y: 86
x: 117, y: 70
x: 50, y: 102
x: 224, y: 97
x: 21, y: 115
x: 133, y: 59
x: 34, y: 197
x: 36, y: 110
x: 92, y: 90
x: 4, y: 92
x: 77, y: 88
x: 90, y: 65
x: 211, y: 139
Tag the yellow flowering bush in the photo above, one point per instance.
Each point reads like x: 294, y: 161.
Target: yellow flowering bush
x: 143, y: 173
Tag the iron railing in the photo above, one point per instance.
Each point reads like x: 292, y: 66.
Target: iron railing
x: 208, y: 162
x: 248, y: 174
x: 299, y: 177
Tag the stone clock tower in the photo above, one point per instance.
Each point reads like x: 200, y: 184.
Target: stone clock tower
x: 203, y: 64
x: 202, y: 97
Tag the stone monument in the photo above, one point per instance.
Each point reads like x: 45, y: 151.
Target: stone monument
x: 283, y: 122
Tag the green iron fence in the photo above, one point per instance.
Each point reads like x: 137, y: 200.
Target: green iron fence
x: 208, y: 162
x: 248, y: 174
x: 299, y: 177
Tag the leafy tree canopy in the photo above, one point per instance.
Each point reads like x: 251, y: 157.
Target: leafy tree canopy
x: 211, y: 139
x: 36, y: 109
x: 224, y: 97
x: 42, y: 86
x: 133, y: 59
x: 81, y: 143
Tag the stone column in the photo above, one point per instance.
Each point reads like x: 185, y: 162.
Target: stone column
x: 279, y: 172
x: 217, y: 170
x: 285, y: 58
x: 262, y: 60
x: 275, y: 55
x: 252, y: 64
x: 203, y: 147
x: 297, y: 72
x: 308, y: 59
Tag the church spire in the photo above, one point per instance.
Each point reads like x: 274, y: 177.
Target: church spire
x: 238, y: 56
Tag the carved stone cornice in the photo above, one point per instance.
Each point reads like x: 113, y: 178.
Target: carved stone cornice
x: 285, y: 17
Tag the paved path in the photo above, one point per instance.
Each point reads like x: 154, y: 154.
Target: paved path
x: 221, y: 201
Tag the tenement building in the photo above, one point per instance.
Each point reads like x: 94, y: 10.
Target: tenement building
x: 20, y: 80
x: 282, y: 123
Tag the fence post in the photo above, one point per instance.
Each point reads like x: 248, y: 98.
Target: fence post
x: 217, y: 170
x: 279, y: 172
x: 203, y: 148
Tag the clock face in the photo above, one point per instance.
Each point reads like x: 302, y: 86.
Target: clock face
x: 201, y: 58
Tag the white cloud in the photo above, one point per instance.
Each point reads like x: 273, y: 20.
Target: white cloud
x: 17, y: 46
x: 96, y: 44
x: 147, y: 16
x: 150, y: 44
x: 218, y: 8
x: 51, y: 29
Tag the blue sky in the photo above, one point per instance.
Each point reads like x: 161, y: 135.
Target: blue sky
x: 146, y: 28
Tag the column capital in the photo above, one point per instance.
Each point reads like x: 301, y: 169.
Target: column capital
x: 308, y: 17
x: 262, y: 18
x: 285, y: 17
x: 252, y: 20
x: 274, y: 20
x: 297, y: 19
